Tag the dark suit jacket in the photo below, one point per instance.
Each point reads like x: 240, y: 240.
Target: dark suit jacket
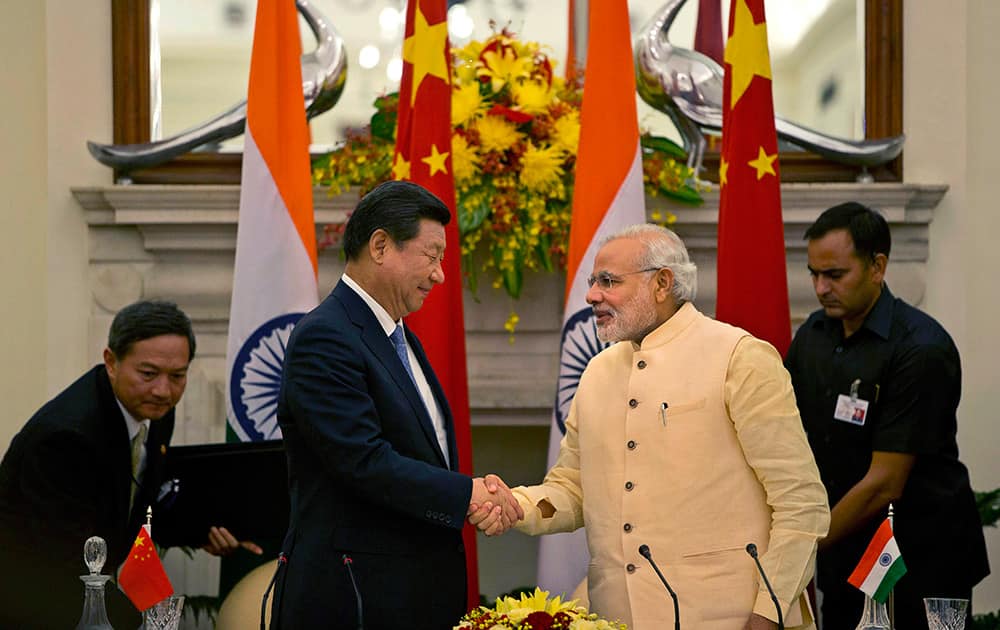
x: 66, y: 477
x: 367, y: 479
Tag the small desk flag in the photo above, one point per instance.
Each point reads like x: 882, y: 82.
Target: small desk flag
x: 142, y: 578
x: 881, y: 566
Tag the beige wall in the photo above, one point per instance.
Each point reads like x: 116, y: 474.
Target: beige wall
x: 950, y: 96
x: 57, y: 93
x: 22, y: 212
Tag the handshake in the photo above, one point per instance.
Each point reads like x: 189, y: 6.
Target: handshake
x: 492, y: 507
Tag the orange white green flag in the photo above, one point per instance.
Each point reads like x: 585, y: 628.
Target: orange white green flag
x: 881, y: 565
x: 274, y: 281
x: 142, y: 577
x: 608, y: 195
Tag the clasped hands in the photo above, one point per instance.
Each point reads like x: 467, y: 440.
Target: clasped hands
x: 492, y: 507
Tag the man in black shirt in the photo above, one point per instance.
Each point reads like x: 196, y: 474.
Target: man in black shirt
x: 878, y: 383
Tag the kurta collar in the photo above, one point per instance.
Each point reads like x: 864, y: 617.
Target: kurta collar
x: 670, y: 329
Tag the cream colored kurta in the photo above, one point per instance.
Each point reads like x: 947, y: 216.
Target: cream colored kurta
x: 729, y: 466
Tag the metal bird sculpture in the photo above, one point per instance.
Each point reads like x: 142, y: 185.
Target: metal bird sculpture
x: 687, y: 86
x: 324, y: 72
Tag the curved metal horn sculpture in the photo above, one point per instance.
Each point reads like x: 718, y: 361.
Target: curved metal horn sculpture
x: 324, y: 72
x: 687, y: 86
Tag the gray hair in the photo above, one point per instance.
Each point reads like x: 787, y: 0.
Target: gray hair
x: 663, y: 250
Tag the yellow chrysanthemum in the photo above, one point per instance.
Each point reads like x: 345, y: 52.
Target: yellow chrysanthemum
x: 465, y: 103
x: 566, y: 132
x: 504, y: 68
x: 464, y: 160
x: 537, y: 601
x: 541, y: 168
x: 532, y: 97
x: 496, y: 133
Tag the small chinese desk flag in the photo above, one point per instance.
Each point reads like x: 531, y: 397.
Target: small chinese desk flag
x: 881, y: 565
x: 142, y: 577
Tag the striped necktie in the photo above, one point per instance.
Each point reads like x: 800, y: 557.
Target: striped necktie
x: 137, y: 443
x: 399, y: 342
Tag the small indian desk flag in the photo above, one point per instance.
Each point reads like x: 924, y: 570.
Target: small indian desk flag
x: 142, y: 577
x: 881, y: 566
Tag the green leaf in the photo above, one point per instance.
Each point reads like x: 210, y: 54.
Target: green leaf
x: 989, y: 507
x: 663, y: 145
x: 685, y: 194
x: 383, y: 125
x: 513, y: 280
x: 470, y: 214
x: 542, y: 251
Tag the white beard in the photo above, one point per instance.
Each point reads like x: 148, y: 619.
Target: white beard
x: 633, y: 321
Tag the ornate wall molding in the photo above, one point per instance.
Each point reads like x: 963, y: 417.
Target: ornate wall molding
x: 178, y: 242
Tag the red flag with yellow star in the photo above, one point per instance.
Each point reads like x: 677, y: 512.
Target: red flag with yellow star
x: 423, y: 156
x: 752, y: 282
x: 142, y: 577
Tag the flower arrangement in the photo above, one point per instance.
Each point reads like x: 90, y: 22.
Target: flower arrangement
x: 516, y: 128
x: 534, y: 611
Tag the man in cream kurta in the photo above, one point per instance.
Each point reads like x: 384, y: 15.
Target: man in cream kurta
x: 684, y: 437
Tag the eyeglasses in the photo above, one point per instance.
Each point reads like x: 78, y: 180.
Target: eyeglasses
x: 606, y: 281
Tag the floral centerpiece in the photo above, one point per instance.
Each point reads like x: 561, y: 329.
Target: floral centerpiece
x: 516, y: 127
x: 535, y: 612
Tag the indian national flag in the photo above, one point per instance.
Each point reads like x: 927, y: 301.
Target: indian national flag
x: 608, y: 195
x: 274, y: 282
x: 881, y: 566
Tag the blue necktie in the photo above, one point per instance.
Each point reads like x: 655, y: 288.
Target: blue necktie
x: 399, y: 342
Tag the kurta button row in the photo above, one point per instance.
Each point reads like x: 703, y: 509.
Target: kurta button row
x: 630, y: 567
x: 628, y: 527
x: 631, y: 445
x: 641, y: 365
x: 633, y: 403
x: 629, y: 485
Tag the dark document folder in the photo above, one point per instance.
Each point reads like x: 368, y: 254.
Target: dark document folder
x: 240, y: 486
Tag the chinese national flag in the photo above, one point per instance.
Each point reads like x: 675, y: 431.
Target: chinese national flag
x: 142, y: 577
x: 423, y: 156
x: 752, y: 283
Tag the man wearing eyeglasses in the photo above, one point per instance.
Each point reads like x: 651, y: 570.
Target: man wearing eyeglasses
x: 683, y: 437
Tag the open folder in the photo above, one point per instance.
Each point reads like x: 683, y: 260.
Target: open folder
x: 241, y: 486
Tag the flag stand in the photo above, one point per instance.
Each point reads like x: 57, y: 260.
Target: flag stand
x: 875, y: 615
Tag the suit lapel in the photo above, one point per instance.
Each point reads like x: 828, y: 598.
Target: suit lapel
x: 442, y: 400
x: 373, y: 336
x: 120, y: 451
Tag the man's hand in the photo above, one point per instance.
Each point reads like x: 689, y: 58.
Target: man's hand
x: 492, y: 507
x: 222, y: 543
x: 757, y: 622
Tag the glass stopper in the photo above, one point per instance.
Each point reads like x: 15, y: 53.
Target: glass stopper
x: 95, y: 554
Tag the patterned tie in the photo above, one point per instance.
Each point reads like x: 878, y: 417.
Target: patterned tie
x: 137, y: 443
x: 399, y: 342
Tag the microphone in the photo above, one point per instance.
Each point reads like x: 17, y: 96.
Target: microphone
x: 357, y: 594
x: 645, y: 553
x: 282, y: 561
x: 752, y: 550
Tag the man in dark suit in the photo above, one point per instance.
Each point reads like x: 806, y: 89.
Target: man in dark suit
x: 88, y: 463
x: 370, y: 440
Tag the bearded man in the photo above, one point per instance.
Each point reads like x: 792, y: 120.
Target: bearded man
x: 684, y: 437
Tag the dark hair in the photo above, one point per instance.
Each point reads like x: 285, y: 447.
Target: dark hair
x: 868, y: 228
x: 396, y: 207
x: 145, y: 320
